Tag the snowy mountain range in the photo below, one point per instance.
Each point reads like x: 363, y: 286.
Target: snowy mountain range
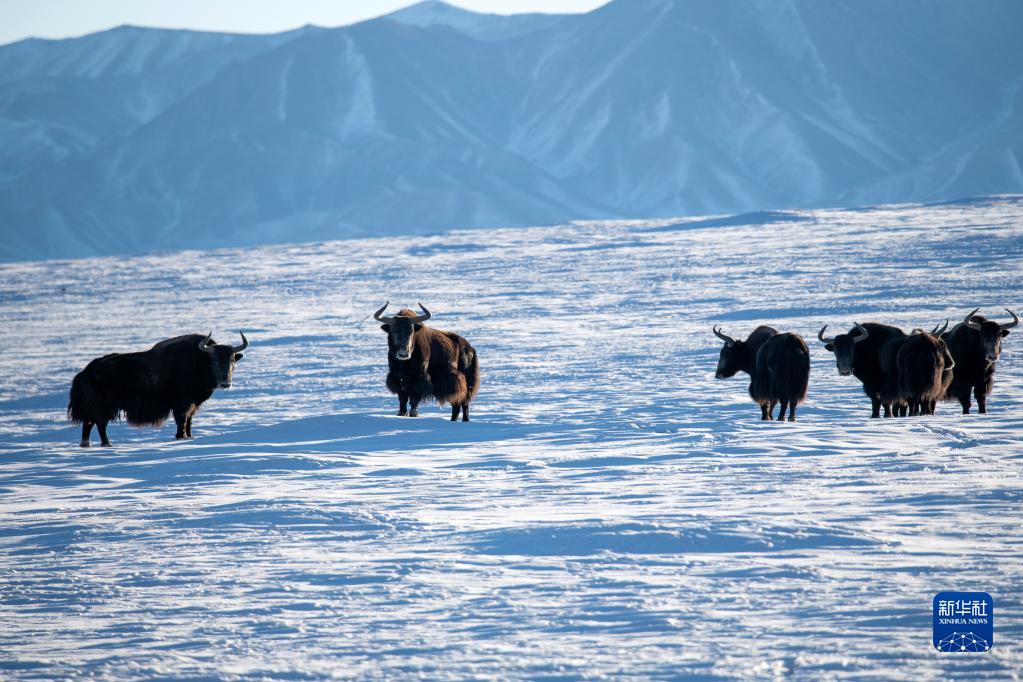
x: 432, y: 118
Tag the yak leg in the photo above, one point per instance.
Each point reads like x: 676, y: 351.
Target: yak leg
x: 875, y: 407
x: 188, y: 427
x: 792, y: 412
x: 964, y: 399
x: 180, y: 417
x: 86, y: 430
x: 782, y: 409
x: 414, y: 404
x: 887, y: 410
x: 763, y: 412
x: 465, y: 411
x: 102, y: 428
x: 455, y: 409
x: 979, y: 393
x: 402, y: 404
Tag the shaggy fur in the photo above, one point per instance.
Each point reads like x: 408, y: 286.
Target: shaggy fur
x: 920, y: 365
x: 872, y: 361
x: 778, y: 365
x: 174, y: 376
x: 974, y: 372
x: 443, y: 366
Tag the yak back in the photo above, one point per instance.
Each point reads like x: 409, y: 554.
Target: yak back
x: 920, y: 364
x: 783, y: 368
x: 145, y: 385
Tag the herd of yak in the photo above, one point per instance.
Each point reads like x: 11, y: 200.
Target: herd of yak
x: 905, y: 373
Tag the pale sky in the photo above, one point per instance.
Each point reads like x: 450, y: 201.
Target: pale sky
x: 64, y: 18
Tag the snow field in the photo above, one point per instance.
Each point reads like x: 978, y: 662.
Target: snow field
x: 612, y: 511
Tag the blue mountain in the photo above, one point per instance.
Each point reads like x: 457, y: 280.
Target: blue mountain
x: 433, y: 118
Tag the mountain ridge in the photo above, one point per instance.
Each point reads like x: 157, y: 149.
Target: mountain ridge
x: 436, y: 118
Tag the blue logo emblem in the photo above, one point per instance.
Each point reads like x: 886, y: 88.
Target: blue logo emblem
x: 964, y: 622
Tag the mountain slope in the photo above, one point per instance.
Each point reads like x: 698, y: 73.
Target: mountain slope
x: 436, y: 118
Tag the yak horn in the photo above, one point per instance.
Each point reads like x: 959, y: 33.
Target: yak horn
x: 969, y: 316
x: 380, y: 318
x: 202, y: 344
x: 1010, y: 325
x: 938, y: 332
x: 724, y: 337
x: 245, y: 344
x: 825, y: 339
x: 425, y: 316
x: 863, y: 333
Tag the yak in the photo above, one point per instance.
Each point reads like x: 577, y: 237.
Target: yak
x: 174, y: 376
x: 425, y: 363
x: 975, y: 345
x: 923, y: 366
x: 868, y: 352
x: 778, y: 366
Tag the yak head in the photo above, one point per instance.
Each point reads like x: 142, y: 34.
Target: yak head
x: 991, y: 333
x: 730, y: 361
x: 844, y: 346
x: 401, y: 330
x: 222, y: 358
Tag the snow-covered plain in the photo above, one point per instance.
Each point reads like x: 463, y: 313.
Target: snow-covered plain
x: 612, y: 511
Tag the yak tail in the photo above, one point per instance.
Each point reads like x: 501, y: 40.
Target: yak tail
x: 792, y: 375
x: 471, y: 369
x: 87, y: 403
x: 77, y: 411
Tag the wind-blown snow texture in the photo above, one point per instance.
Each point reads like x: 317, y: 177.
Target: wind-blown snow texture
x: 612, y: 512
x: 436, y: 118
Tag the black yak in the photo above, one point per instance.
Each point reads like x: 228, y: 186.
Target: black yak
x: 923, y: 366
x: 425, y: 363
x: 778, y: 365
x: 868, y: 352
x: 174, y: 376
x: 975, y: 345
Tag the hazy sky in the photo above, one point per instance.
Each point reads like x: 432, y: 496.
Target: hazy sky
x: 62, y: 18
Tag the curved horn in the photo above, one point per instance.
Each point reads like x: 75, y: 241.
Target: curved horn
x: 1010, y: 325
x: 825, y: 339
x: 202, y: 344
x: 380, y: 318
x: 724, y: 337
x: 938, y: 332
x: 425, y: 316
x: 245, y: 344
x: 969, y: 316
x: 863, y: 333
